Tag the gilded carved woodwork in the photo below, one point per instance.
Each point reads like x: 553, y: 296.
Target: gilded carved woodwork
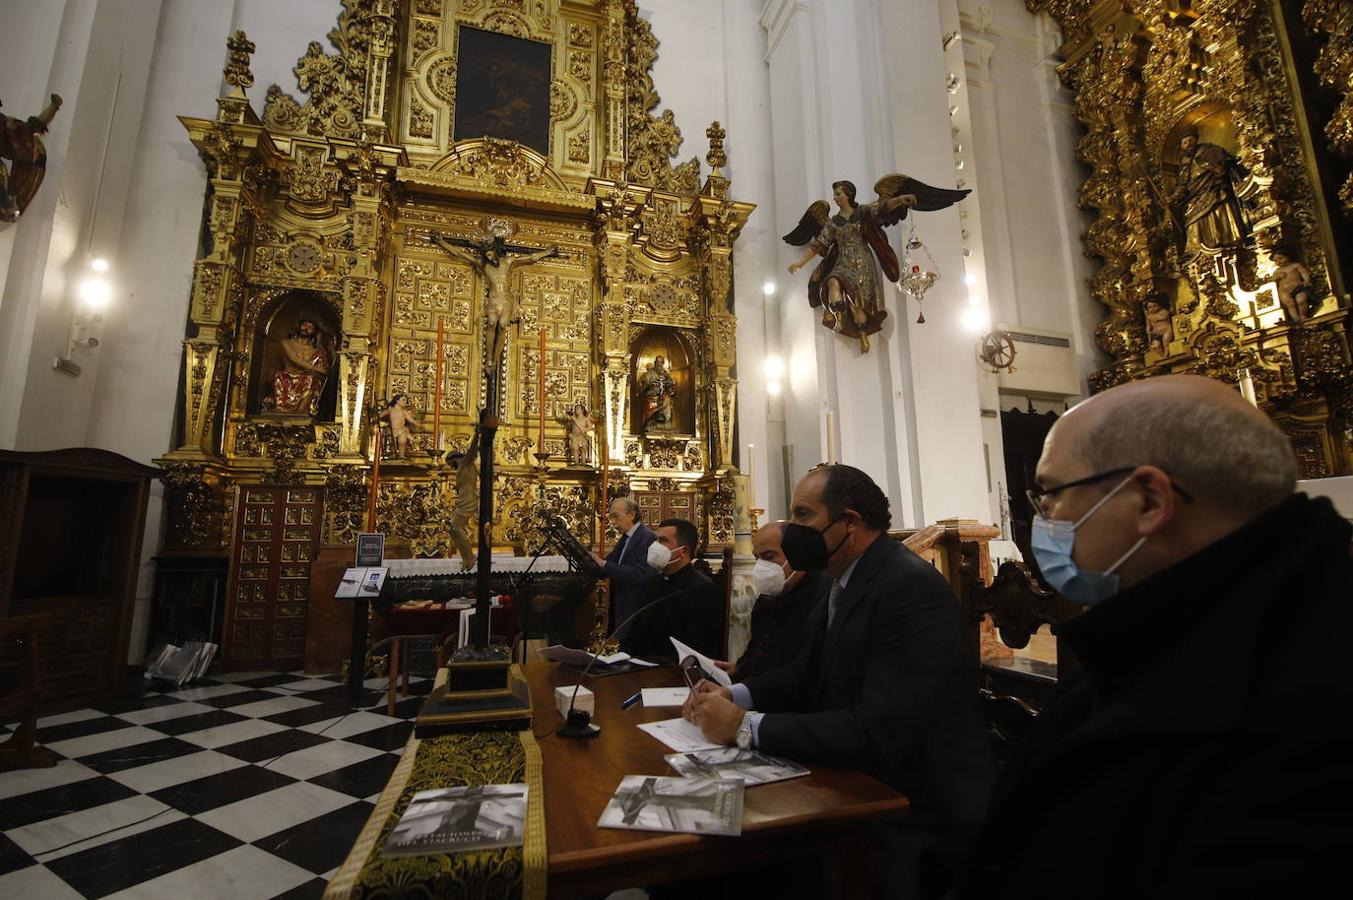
x: 335, y: 194
x: 1143, y: 76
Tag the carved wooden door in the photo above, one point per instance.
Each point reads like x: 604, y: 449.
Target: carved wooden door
x: 276, y: 533
x: 659, y: 505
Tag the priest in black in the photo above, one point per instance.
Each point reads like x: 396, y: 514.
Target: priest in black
x: 780, y: 614
x: 679, y: 601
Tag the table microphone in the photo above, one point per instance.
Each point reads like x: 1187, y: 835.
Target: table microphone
x: 578, y: 722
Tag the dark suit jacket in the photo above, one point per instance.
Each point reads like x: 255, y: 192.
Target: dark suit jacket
x: 890, y: 689
x: 779, y: 624
x: 1201, y: 749
x: 687, y: 606
x: 627, y: 576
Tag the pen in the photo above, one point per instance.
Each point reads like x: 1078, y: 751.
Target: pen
x: 630, y: 701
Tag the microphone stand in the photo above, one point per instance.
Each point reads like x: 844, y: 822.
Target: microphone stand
x: 578, y: 722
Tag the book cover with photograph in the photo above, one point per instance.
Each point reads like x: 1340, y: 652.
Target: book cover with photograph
x: 748, y: 766
x: 450, y: 820
x: 688, y: 805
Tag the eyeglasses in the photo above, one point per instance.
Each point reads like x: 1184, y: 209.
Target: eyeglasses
x: 1037, y: 496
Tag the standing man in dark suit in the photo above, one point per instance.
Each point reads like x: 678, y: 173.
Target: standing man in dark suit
x: 627, y: 563
x: 688, y: 606
x: 885, y: 683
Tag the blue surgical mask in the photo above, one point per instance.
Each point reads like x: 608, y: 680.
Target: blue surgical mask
x: 1052, y: 542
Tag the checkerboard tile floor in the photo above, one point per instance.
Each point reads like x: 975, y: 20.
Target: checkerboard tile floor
x: 249, y: 785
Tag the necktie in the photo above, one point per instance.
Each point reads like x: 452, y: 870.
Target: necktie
x: 620, y: 548
x: 832, y: 596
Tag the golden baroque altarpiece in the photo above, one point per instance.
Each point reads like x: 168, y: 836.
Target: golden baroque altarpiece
x: 1265, y: 90
x: 324, y: 210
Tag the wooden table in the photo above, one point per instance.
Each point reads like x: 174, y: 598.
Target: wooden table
x: 825, y: 813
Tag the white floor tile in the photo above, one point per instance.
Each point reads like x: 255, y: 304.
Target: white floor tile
x: 262, y: 708
x: 164, y: 713
x: 169, y: 772
x: 38, y: 883
x: 311, y: 684
x: 322, y: 758
x: 124, y: 816
x: 105, y: 740
x: 245, y: 873
x: 353, y: 723
x: 25, y: 781
x: 207, y: 691
x: 274, y: 811
x: 221, y: 735
x: 229, y: 677
x: 66, y: 718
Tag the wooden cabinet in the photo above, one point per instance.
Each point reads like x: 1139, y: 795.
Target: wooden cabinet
x: 71, y: 523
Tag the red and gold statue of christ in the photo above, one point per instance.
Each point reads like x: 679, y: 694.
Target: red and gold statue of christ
x: 297, y: 385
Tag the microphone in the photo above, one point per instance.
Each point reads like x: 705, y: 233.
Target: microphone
x: 578, y: 722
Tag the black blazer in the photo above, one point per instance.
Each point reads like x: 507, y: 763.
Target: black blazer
x: 687, y: 606
x: 890, y: 689
x: 626, y: 577
x: 778, y: 626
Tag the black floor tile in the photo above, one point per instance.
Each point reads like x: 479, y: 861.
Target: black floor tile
x: 197, y: 722
x: 54, y: 733
x: 25, y: 809
x: 322, y: 843
x: 138, y: 755
x: 391, y: 737
x: 12, y: 857
x: 311, y: 890
x: 131, y: 702
x: 406, y: 708
x: 221, y: 789
x: 129, y: 861
x: 360, y: 779
x: 306, y: 715
x: 339, y: 694
x: 261, y: 749
x: 279, y: 680
x: 239, y: 698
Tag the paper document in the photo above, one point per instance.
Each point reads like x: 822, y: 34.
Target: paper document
x: 713, y: 672
x: 665, y: 696
x: 749, y: 766
x: 680, y: 735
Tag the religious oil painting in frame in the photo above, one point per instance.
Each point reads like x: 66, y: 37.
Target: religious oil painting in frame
x: 503, y: 89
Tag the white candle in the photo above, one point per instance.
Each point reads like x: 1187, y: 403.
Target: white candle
x: 1247, y: 387
x: 751, y: 474
x: 831, y: 438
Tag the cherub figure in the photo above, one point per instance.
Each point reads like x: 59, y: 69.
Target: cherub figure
x: 579, y: 424
x: 402, y: 423
x: 853, y: 246
x: 1159, y: 327
x: 493, y: 260
x: 1293, y: 282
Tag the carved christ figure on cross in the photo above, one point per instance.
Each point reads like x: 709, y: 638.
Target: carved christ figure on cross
x: 493, y: 260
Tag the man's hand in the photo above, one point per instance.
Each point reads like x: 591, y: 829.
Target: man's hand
x: 730, y: 668
x: 600, y: 560
x: 717, y: 716
x: 704, y: 686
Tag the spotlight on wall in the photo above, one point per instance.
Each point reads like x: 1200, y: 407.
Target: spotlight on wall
x: 768, y: 288
x: 94, y: 292
x: 774, y: 368
x: 773, y: 388
x: 976, y: 319
x: 99, y: 264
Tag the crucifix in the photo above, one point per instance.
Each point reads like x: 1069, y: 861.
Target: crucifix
x: 493, y: 259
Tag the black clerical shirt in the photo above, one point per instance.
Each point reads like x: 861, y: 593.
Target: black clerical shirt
x: 778, y: 625
x: 685, y: 605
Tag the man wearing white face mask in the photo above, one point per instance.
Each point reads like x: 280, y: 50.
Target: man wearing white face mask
x: 688, y: 605
x: 1201, y: 747
x: 780, y: 615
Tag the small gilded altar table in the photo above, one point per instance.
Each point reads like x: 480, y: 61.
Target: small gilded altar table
x: 823, y: 814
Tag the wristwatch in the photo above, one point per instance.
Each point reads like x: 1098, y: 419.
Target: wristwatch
x: 744, y: 735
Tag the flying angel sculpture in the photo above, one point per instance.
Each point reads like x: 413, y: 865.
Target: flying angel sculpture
x: 853, y: 246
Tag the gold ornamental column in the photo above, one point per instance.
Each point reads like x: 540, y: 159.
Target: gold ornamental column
x: 228, y: 145
x: 382, y: 28
x: 614, y: 78
x: 617, y: 220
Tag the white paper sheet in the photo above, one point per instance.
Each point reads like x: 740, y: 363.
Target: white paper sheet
x: 665, y: 696
x: 719, y: 675
x: 680, y: 735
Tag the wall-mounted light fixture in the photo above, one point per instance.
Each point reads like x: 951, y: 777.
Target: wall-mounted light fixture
x: 774, y: 370
x: 92, y: 296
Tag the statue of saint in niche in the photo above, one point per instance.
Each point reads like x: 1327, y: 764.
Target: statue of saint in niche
x: 1292, y: 280
x: 1204, y: 195
x: 657, y: 390
x: 297, y: 385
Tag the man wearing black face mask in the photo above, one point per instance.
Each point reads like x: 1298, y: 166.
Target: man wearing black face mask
x: 884, y: 683
x: 688, y: 606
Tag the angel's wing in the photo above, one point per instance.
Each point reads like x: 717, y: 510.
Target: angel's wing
x: 928, y: 199
x: 813, y: 219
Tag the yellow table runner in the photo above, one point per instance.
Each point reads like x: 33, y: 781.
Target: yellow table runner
x: 479, y: 758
